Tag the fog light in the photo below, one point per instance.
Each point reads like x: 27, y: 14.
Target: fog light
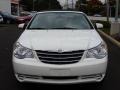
x: 93, y: 76
x: 20, y: 77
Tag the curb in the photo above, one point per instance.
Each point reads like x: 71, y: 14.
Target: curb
x: 109, y: 38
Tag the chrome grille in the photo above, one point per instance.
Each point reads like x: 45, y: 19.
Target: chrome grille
x: 52, y: 57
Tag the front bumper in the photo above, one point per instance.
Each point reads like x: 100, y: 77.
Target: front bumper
x: 89, y: 70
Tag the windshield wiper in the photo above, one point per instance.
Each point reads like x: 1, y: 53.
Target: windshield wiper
x: 64, y: 28
x: 55, y: 28
x: 37, y: 28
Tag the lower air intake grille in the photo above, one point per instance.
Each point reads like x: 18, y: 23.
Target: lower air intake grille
x: 60, y: 78
x: 52, y: 57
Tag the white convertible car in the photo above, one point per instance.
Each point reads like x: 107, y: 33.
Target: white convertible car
x: 60, y: 47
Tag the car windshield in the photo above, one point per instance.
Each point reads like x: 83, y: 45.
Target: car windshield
x: 60, y: 20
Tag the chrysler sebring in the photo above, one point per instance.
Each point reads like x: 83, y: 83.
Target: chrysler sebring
x: 60, y: 47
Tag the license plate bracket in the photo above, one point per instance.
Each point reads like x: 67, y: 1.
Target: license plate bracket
x: 60, y: 72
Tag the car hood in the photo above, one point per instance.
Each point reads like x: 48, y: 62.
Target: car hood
x: 60, y: 39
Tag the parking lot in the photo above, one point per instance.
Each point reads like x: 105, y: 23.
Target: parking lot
x: 10, y: 33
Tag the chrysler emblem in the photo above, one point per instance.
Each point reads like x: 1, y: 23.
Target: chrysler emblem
x: 60, y: 51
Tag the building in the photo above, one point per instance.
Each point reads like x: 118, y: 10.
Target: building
x: 10, y: 6
x: 5, y: 5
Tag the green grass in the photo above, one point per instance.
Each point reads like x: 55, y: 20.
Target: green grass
x: 106, y: 30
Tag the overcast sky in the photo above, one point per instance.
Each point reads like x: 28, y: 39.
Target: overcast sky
x: 62, y: 2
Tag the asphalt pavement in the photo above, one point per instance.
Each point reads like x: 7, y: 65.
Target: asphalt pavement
x: 9, y: 34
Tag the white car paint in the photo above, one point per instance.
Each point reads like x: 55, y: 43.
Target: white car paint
x: 86, y: 70
x: 64, y: 39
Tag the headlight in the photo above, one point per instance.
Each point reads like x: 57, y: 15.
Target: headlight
x: 22, y: 52
x: 98, y: 52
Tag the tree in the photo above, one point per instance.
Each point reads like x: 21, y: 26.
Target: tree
x: 27, y: 4
x: 90, y: 7
x: 81, y: 5
x: 41, y: 4
x: 112, y: 2
x: 94, y: 6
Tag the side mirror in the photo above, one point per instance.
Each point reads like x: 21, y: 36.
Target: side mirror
x: 99, y: 25
x: 21, y: 26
